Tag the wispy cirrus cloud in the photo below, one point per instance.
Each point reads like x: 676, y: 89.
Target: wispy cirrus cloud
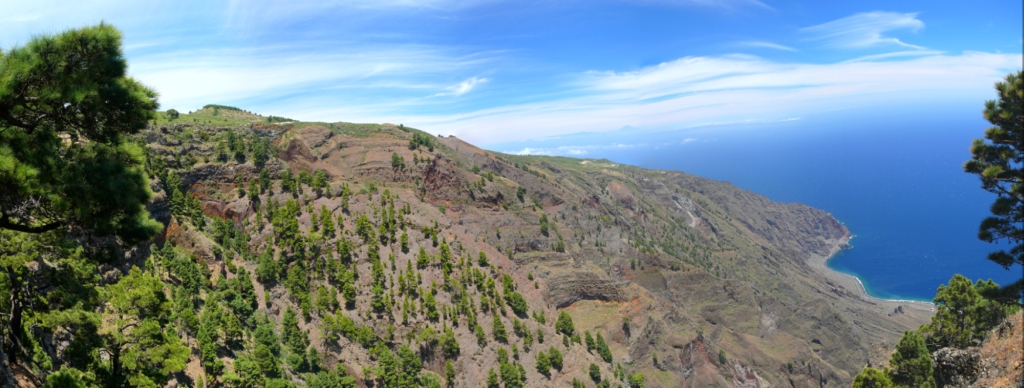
x: 770, y: 45
x: 585, y: 149
x: 729, y: 4
x: 353, y: 76
x: 864, y: 30
x: 463, y: 87
x: 895, y: 54
x: 695, y: 90
x: 356, y: 61
x: 578, y: 150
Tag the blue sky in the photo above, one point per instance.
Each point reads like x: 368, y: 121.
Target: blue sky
x: 494, y: 72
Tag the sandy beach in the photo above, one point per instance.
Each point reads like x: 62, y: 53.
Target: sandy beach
x: 850, y: 282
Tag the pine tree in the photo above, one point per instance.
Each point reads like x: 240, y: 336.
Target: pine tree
x: 595, y: 373
x: 872, y: 378
x: 602, y: 349
x: 319, y: 181
x: 431, y: 305
x: 293, y: 337
x: 449, y: 344
x: 498, y: 330
x: 955, y: 322
x: 140, y: 349
x: 254, y: 194
x: 517, y: 302
x: 510, y: 375
x: 388, y: 370
x: 544, y: 224
x: 492, y: 379
x: 397, y: 162
x: 264, y: 179
x: 247, y: 373
x: 637, y: 380
x: 543, y: 364
x: 482, y: 261
x: 326, y: 222
x: 267, y: 268
x: 67, y: 160
x: 449, y: 373
x: 555, y: 357
x: 564, y: 324
x: 348, y: 289
x: 481, y: 337
x: 998, y: 162
x: 911, y: 363
x: 287, y: 180
x: 267, y: 361
x: 410, y: 366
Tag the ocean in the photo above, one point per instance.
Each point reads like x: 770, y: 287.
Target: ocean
x: 895, y: 182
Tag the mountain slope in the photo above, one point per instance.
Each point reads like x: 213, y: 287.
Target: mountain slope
x: 689, y: 281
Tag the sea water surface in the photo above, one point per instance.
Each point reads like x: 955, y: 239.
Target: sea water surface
x: 897, y: 184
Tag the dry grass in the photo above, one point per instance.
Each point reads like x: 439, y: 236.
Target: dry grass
x: 1003, y: 355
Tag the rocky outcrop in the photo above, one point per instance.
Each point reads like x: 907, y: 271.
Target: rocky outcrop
x: 746, y: 377
x: 298, y: 155
x: 488, y: 195
x: 208, y: 172
x: 569, y: 288
x: 225, y: 173
x: 955, y: 367
x: 158, y: 207
x: 442, y: 180
x: 643, y: 344
x: 316, y: 135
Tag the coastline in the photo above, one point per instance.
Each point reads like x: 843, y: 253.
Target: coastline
x: 838, y: 279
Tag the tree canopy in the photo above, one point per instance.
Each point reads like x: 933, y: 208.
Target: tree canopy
x: 66, y: 108
x: 999, y: 161
x: 69, y: 169
x: 911, y: 363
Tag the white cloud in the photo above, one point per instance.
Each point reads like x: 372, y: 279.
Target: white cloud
x: 864, y: 30
x: 729, y: 4
x: 580, y: 150
x: 897, y: 54
x: 696, y: 91
x: 462, y: 87
x: 366, y: 79
x: 577, y: 150
x: 189, y: 79
x: 394, y: 84
x: 770, y: 45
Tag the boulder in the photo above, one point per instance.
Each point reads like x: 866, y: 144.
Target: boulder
x: 955, y: 367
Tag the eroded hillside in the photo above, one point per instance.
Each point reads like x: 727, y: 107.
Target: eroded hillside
x: 379, y: 250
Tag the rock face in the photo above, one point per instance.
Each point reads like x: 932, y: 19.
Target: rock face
x: 956, y: 367
x: 568, y: 288
x: 441, y: 180
x: 690, y: 281
x: 159, y: 208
